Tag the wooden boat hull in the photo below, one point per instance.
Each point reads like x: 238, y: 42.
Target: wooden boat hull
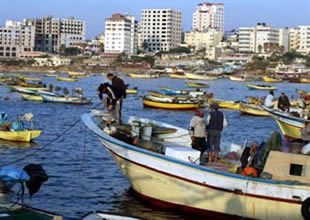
x: 199, y: 189
x: 23, y: 136
x: 35, y: 98
x: 171, y: 106
x: 143, y: 76
x: 65, y: 100
x: 226, y: 104
x: 271, y: 80
x: 177, y: 76
x: 290, y: 126
x: 238, y: 79
x: 193, y: 76
x: 255, y: 110
x: 197, y: 85
x: 66, y: 79
x: 261, y: 87
x: 30, y: 78
x: 131, y: 91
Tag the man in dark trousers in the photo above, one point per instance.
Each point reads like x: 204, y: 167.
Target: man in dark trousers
x: 215, y: 123
x: 283, y: 102
x: 120, y: 85
x: 114, y: 96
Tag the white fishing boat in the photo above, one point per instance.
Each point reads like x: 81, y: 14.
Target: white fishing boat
x: 168, y: 174
x: 194, y: 76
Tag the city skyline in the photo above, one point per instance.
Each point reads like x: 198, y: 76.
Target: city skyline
x: 238, y: 13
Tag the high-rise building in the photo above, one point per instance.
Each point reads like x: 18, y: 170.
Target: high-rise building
x: 160, y: 29
x: 121, y: 34
x: 16, y: 38
x: 208, y: 15
x: 52, y: 33
x: 261, y: 38
x: 303, y: 37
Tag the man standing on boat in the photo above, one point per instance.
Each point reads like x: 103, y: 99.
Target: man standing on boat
x: 197, y: 129
x: 216, y: 121
x: 120, y: 85
x: 113, y: 99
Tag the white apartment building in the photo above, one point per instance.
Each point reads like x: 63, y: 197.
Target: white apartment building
x: 52, y: 33
x: 160, y: 29
x: 203, y: 39
x: 208, y: 15
x: 293, y: 39
x: 121, y: 34
x: 256, y: 39
x: 303, y: 35
x: 16, y: 38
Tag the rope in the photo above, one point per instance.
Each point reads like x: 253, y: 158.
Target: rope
x: 48, y: 144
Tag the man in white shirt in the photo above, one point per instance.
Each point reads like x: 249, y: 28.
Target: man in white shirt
x: 269, y: 100
x: 197, y: 130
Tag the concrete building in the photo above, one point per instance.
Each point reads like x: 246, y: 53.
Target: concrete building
x: 208, y: 15
x: 293, y: 39
x: 206, y: 39
x: 261, y: 38
x: 121, y: 34
x: 52, y: 33
x: 16, y: 38
x: 52, y: 61
x: 161, y: 29
x: 303, y: 36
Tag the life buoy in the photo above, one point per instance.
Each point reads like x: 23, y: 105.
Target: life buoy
x: 305, y: 209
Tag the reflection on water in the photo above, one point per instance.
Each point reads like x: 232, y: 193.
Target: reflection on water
x: 84, y: 175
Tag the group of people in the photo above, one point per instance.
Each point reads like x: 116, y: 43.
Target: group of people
x: 210, y: 129
x: 283, y: 101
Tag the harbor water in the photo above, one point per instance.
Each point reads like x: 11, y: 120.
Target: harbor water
x: 83, y: 175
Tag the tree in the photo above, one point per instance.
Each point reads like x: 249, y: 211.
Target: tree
x: 180, y: 50
x: 71, y: 51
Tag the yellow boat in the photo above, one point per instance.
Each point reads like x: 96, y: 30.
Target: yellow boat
x: 179, y: 97
x: 143, y: 76
x: 226, y: 104
x: 271, y: 80
x: 14, y: 88
x: 147, y: 102
x: 235, y: 78
x: 131, y: 91
x: 177, y: 76
x: 252, y: 109
x: 197, y: 85
x: 34, y: 85
x: 66, y: 79
x: 30, y: 78
x: 194, y: 76
x: 24, y: 136
x: 36, y: 98
x: 290, y: 125
x: 304, y: 80
x: 261, y: 87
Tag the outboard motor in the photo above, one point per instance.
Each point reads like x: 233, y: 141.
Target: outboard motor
x: 37, y: 177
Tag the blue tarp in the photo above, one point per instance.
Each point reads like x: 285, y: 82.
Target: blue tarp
x: 11, y: 174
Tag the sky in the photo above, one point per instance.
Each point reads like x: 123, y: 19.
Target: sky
x: 238, y: 13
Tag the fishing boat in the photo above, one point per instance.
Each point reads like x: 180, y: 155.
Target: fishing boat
x: 234, y: 105
x: 168, y: 175
x: 197, y: 85
x: 99, y: 215
x: 30, y: 78
x: 271, y: 80
x: 66, y: 99
x: 132, y: 91
x: 261, y: 87
x: 35, y: 98
x: 252, y: 109
x: 143, y: 76
x: 166, y: 103
x: 235, y: 78
x: 169, y: 91
x: 78, y: 74
x: 15, y: 88
x: 25, y: 136
x: 66, y: 79
x: 290, y: 125
x: 304, y: 80
x: 194, y: 76
x: 50, y: 75
x: 177, y: 76
x: 33, y: 85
